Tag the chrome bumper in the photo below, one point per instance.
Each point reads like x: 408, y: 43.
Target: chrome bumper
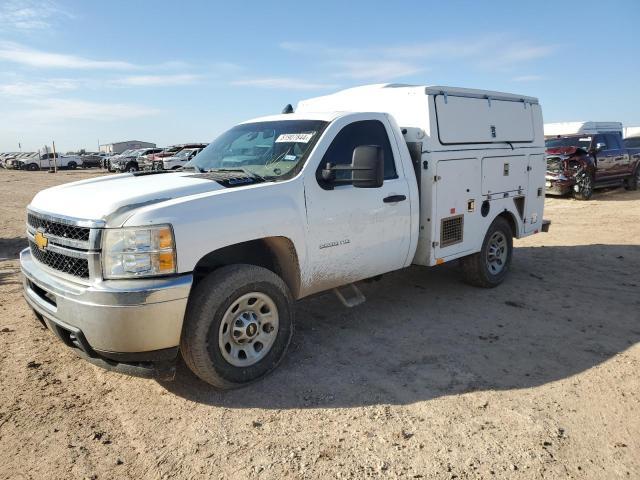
x: 112, y: 316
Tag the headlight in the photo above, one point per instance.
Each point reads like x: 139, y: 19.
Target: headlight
x: 138, y: 252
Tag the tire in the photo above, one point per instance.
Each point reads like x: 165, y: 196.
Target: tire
x: 72, y: 165
x: 209, y: 348
x: 632, y: 182
x: 585, y: 191
x: 132, y: 167
x: 488, y: 269
x: 33, y: 167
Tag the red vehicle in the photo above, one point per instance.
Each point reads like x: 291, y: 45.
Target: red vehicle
x: 580, y: 163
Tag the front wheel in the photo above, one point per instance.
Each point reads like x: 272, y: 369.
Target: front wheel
x: 238, y: 325
x: 583, y: 189
x: 72, y: 165
x: 490, y: 265
x: 32, y: 167
x: 132, y: 167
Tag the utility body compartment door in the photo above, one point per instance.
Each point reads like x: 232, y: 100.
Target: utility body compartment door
x: 458, y: 201
x: 501, y: 174
x: 464, y: 120
x: 534, y: 201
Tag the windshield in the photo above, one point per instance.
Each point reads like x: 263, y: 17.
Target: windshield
x: 266, y: 149
x: 183, y: 153
x: 579, y: 142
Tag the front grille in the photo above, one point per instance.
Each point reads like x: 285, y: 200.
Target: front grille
x: 78, y: 267
x: 58, y: 229
x: 451, y: 230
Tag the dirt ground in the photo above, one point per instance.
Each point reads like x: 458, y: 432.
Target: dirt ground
x: 430, y: 378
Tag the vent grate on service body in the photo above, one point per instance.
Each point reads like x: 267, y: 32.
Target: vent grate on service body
x: 451, y: 230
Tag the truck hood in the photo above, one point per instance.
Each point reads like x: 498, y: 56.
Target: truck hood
x: 562, y: 150
x: 114, y: 198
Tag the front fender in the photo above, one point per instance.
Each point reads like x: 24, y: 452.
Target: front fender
x: 210, y: 221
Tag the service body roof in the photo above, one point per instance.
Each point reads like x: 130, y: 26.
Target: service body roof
x: 465, y: 115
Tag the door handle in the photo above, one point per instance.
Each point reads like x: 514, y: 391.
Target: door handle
x: 394, y: 198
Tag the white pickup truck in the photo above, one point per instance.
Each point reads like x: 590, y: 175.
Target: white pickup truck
x: 207, y: 261
x: 49, y: 160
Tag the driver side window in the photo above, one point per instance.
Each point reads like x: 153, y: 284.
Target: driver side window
x: 366, y: 132
x: 600, y: 139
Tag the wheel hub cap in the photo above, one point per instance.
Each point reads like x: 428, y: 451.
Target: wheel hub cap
x: 497, y: 253
x: 248, y: 329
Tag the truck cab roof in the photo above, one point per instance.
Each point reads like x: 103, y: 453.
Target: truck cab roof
x: 327, y: 116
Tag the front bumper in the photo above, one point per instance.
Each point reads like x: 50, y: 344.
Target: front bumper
x: 559, y: 184
x: 124, y: 325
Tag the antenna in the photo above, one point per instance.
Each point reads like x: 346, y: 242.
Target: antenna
x: 287, y: 109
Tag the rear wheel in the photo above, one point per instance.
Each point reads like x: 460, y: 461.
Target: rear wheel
x: 490, y: 265
x: 632, y: 182
x: 238, y: 325
x: 72, y: 165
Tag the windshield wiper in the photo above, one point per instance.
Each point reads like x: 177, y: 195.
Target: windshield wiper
x: 242, y: 170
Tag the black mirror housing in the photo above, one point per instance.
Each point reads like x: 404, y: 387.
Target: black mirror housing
x: 367, y: 169
x: 368, y: 166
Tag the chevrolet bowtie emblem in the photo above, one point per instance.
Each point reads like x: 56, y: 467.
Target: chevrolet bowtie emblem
x: 40, y: 240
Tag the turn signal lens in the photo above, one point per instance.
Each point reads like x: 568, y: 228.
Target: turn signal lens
x: 166, y: 262
x: 165, y: 238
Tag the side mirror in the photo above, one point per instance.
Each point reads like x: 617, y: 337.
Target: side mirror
x: 600, y: 147
x: 367, y: 169
x: 368, y: 166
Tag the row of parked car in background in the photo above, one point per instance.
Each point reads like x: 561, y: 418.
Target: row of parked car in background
x: 37, y: 160
x: 169, y: 158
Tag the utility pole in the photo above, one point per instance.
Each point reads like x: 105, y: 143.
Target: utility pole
x: 46, y: 153
x: 55, y: 160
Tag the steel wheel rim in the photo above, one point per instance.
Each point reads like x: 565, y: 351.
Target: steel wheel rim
x: 497, y: 253
x: 248, y: 329
x: 586, y: 185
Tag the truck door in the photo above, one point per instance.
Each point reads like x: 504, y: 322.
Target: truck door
x: 608, y: 158
x: 620, y: 157
x: 355, y: 233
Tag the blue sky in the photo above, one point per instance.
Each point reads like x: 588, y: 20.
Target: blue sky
x: 82, y: 72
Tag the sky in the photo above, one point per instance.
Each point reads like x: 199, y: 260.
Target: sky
x: 81, y: 73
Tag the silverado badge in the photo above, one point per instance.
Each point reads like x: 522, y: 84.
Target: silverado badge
x: 40, y: 240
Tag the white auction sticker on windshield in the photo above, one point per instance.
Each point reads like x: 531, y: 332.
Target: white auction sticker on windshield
x: 295, y: 137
